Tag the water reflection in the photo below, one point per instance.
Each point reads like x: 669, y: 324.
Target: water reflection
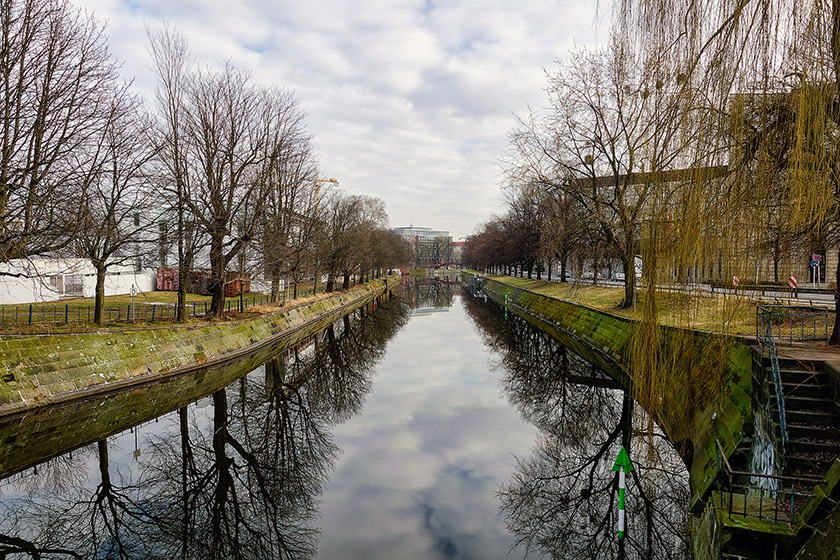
x: 304, y: 457
x: 562, y: 500
x: 430, y: 295
x: 421, y: 464
x: 235, y: 479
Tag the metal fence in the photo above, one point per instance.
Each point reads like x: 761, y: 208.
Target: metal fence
x: 64, y: 314
x: 794, y: 323
x: 763, y: 496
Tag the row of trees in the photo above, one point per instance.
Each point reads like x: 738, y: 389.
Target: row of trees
x: 705, y: 140
x: 220, y: 167
x: 610, y: 157
x: 705, y: 151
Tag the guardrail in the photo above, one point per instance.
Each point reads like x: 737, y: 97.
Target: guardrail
x: 763, y: 496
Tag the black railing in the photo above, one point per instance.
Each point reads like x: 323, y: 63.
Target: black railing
x: 794, y: 323
x: 65, y: 314
x: 763, y: 496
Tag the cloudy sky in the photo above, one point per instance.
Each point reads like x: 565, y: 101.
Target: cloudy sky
x: 408, y: 100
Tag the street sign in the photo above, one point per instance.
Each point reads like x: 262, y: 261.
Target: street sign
x: 133, y: 293
x: 792, y: 282
x: 815, y: 264
x: 735, y: 281
x: 816, y: 257
x: 623, y: 466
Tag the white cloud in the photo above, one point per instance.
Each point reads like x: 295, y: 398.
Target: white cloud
x: 408, y: 100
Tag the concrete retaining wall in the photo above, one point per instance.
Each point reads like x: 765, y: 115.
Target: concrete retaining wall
x: 40, y: 370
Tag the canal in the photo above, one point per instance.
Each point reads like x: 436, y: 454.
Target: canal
x: 431, y: 425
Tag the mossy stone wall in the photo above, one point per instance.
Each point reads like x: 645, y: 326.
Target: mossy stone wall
x: 718, y: 412
x: 39, y: 370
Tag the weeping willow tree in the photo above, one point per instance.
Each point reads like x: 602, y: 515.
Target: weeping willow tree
x: 705, y: 141
x: 762, y: 78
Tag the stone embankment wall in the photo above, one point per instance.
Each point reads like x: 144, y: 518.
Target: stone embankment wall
x: 605, y: 340
x: 40, y: 370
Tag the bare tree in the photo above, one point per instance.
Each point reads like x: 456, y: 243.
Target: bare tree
x: 227, y: 136
x: 114, y: 193
x: 612, y: 133
x: 286, y: 228
x: 172, y: 65
x: 57, y: 71
x: 344, y: 244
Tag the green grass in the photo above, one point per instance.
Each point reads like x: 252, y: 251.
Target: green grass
x: 49, y: 316
x: 714, y: 313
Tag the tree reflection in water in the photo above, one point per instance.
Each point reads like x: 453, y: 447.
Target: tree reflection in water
x: 562, y: 501
x: 239, y: 480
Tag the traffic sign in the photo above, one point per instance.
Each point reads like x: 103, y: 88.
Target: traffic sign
x: 792, y: 281
x: 816, y: 257
x: 735, y: 281
x: 815, y: 264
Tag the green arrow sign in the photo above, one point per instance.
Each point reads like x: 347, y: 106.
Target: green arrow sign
x: 623, y: 466
x: 623, y: 460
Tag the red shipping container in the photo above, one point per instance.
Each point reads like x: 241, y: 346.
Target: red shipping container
x: 167, y: 279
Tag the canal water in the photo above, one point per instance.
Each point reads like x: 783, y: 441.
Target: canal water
x: 431, y: 425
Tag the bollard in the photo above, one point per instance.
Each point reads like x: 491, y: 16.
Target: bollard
x: 66, y: 313
x: 30, y: 314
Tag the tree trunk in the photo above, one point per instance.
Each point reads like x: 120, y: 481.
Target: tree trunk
x: 216, y: 286
x: 242, y: 279
x: 275, y: 288
x: 182, y: 262
x: 345, y: 285
x: 834, y: 340
x: 99, y: 301
x: 629, y: 266
x: 182, y: 299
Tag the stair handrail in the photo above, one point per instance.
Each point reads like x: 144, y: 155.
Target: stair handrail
x: 764, y: 324
x: 781, y: 494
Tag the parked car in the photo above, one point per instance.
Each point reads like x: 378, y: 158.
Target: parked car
x: 618, y: 276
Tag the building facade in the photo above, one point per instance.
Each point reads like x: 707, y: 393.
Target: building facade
x: 428, y: 246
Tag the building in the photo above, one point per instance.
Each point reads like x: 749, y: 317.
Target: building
x: 458, y: 250
x: 428, y: 246
x: 44, y: 279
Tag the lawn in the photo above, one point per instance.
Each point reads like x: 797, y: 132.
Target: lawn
x: 716, y: 313
x: 149, y: 308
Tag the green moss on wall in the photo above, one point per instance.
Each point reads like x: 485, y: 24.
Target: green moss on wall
x: 38, y: 370
x: 718, y: 390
